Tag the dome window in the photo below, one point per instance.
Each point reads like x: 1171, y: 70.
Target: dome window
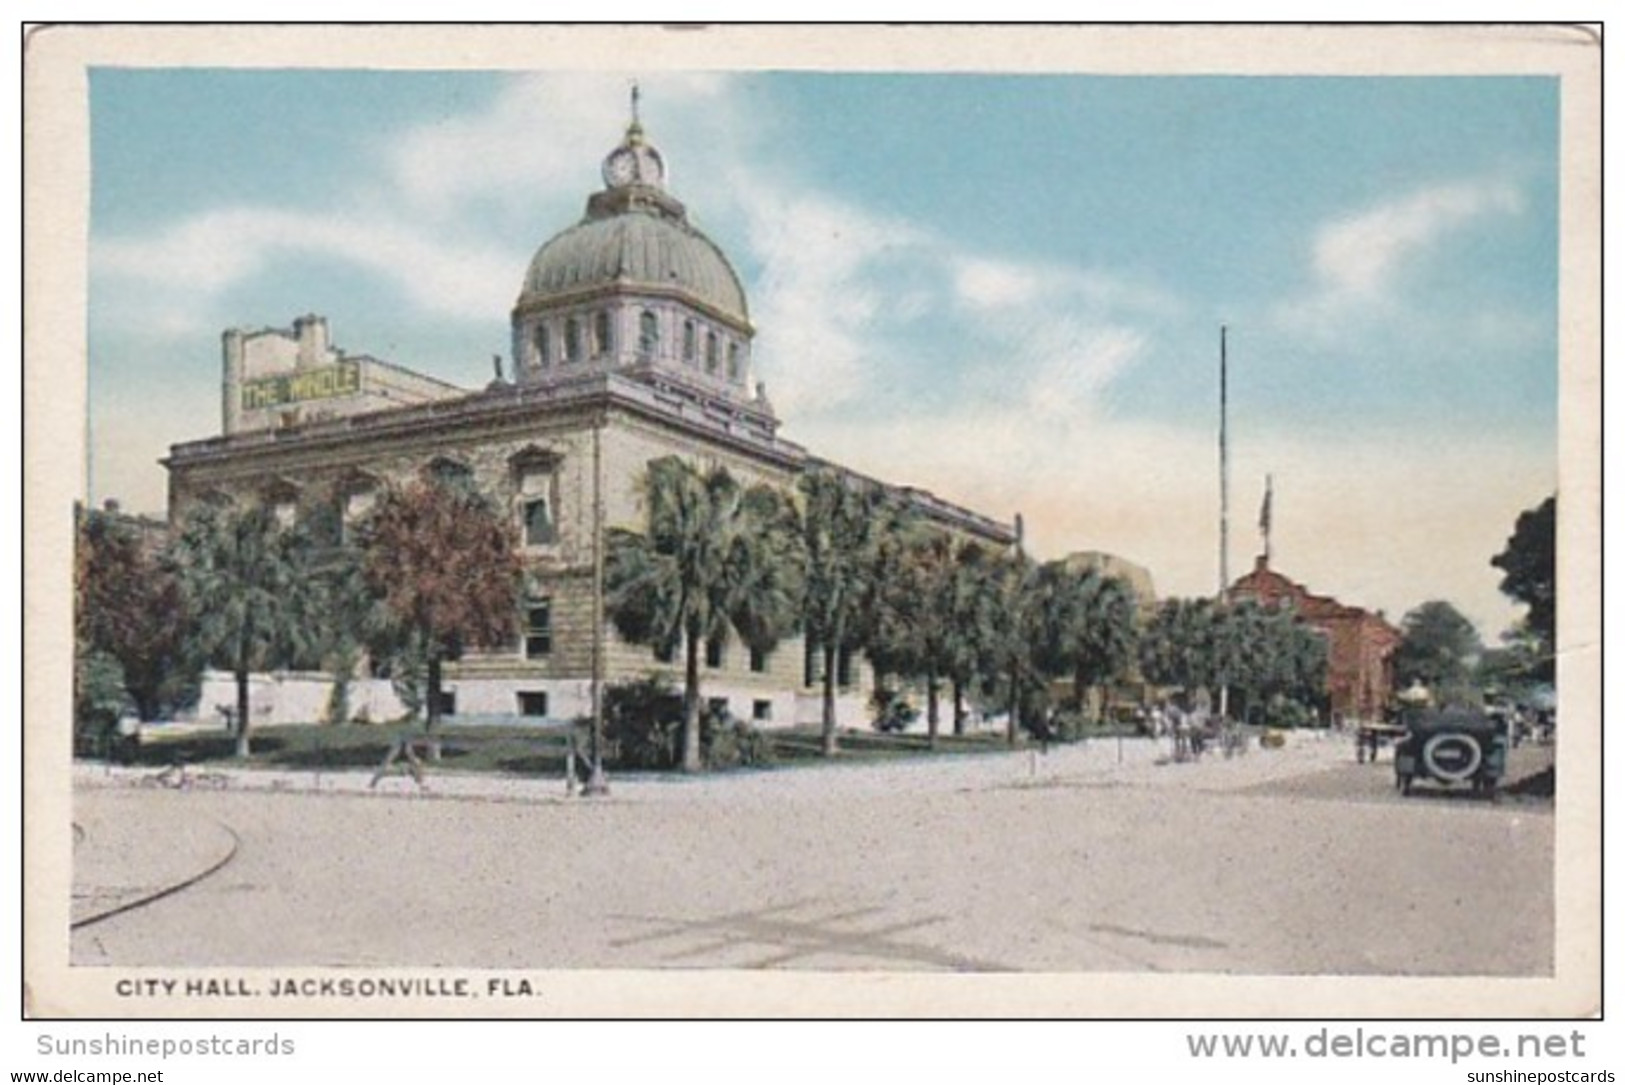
x: 544, y: 346
x: 711, y: 353
x: 735, y: 373
x: 690, y: 339
x: 603, y: 334
x: 572, y: 340
x: 648, y: 333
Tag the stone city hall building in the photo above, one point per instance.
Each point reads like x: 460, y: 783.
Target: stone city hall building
x: 631, y: 341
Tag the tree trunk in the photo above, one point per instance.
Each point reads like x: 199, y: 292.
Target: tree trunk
x: 432, y: 726
x: 242, y: 709
x: 931, y: 714
x: 959, y: 709
x: 1015, y: 706
x: 691, y: 704
x: 831, y: 747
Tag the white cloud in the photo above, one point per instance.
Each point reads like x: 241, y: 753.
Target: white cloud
x: 215, y: 251
x: 540, y: 140
x: 1359, y: 260
x: 996, y: 284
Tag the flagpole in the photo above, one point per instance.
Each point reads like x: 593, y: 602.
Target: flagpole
x: 1224, y: 467
x: 1267, y: 520
x: 1224, y: 500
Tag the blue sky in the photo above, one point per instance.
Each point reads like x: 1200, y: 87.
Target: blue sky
x: 1005, y: 288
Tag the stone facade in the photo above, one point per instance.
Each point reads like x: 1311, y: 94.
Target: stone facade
x: 614, y: 368
x: 1359, y: 644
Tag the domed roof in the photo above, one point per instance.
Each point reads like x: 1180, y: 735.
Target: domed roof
x: 635, y: 236
x: 632, y: 246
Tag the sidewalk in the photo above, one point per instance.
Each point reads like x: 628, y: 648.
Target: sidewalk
x: 1138, y: 761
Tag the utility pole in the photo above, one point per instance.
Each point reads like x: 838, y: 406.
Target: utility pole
x: 596, y: 782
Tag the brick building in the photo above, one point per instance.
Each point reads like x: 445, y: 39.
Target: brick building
x: 1359, y: 644
x: 631, y: 341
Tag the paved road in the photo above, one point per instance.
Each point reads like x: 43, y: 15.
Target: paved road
x: 1288, y: 862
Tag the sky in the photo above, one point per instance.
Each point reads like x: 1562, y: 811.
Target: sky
x: 1007, y: 289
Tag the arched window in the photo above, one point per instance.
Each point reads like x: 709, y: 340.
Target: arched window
x: 689, y: 341
x: 572, y: 340
x: 735, y: 371
x: 544, y: 346
x: 603, y: 334
x: 711, y: 353
x: 648, y: 333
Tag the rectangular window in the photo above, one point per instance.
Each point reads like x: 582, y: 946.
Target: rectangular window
x: 538, y: 523
x: 714, y: 653
x: 538, y: 628
x: 603, y: 334
x: 689, y: 340
x: 843, y: 668
x: 758, y: 660
x: 532, y: 703
x: 448, y: 702
x: 761, y: 711
x: 811, y: 670
x: 718, y: 706
x: 665, y: 653
x: 544, y: 347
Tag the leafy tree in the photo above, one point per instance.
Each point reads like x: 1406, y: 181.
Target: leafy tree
x: 1530, y: 564
x: 249, y: 585
x: 446, y: 567
x: 129, y: 608
x: 715, y: 557
x: 1438, y: 647
x: 844, y: 523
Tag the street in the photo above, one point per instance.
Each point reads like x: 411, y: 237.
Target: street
x: 1296, y: 862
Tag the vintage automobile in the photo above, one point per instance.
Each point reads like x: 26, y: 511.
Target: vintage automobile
x: 1452, y: 746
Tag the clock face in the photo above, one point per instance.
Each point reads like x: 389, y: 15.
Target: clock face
x: 651, y: 170
x: 620, y: 168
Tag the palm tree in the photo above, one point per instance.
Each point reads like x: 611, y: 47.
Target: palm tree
x: 715, y: 557
x: 1089, y: 626
x: 248, y: 580
x: 973, y: 609
x: 1016, y: 633
x: 915, y: 632
x: 844, y: 522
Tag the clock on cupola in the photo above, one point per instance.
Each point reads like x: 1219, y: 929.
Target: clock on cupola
x: 635, y: 161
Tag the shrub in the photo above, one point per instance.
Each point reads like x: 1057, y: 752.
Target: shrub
x: 643, y: 723
x: 892, y: 711
x: 727, y: 743
x: 1283, y: 712
x: 98, y: 701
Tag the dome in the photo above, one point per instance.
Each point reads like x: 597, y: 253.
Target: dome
x: 635, y: 244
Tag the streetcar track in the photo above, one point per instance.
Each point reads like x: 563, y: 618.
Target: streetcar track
x: 169, y: 890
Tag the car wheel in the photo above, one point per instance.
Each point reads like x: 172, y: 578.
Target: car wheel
x: 1452, y: 756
